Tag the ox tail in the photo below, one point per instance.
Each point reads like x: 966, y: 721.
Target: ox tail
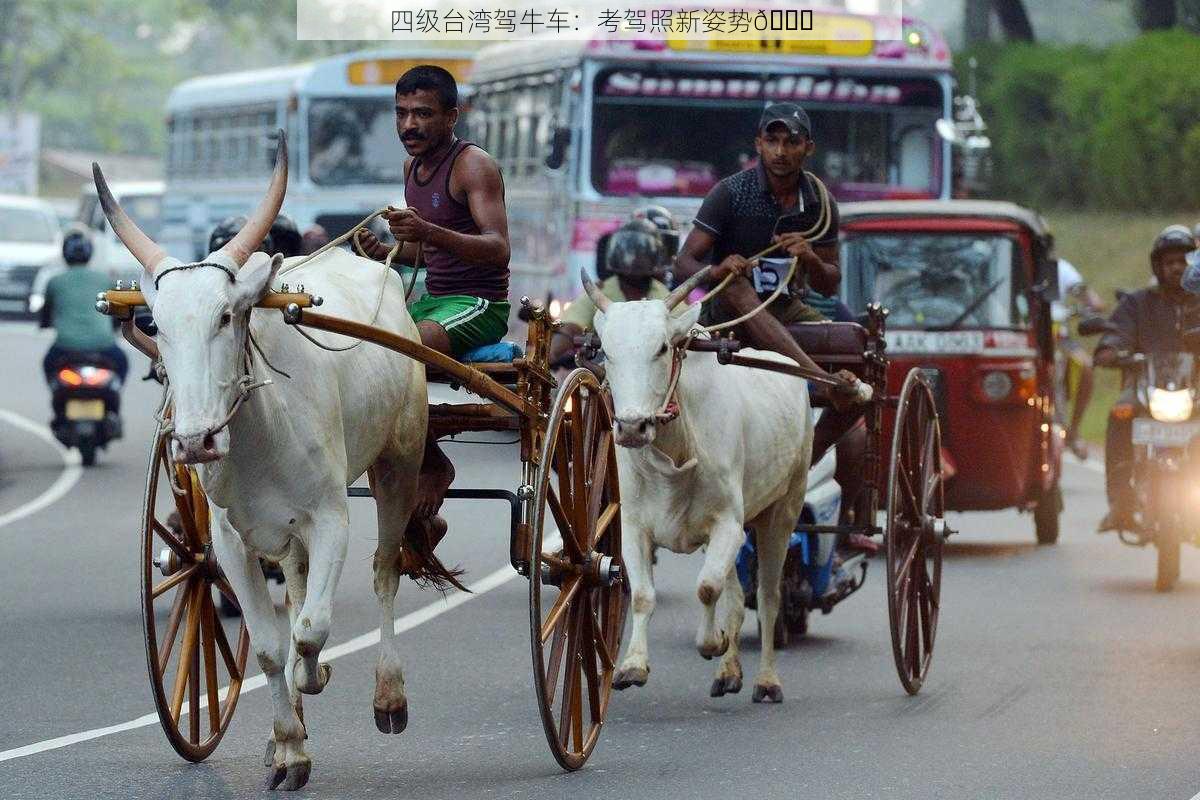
x: 418, y: 561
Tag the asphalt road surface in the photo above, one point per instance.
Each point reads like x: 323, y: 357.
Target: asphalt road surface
x: 1059, y: 672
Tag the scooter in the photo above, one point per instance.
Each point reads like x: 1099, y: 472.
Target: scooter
x: 85, y: 393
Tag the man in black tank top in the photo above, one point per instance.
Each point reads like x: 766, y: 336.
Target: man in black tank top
x: 457, y: 220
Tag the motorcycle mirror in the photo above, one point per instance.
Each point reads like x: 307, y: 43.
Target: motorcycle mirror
x: 1096, y: 325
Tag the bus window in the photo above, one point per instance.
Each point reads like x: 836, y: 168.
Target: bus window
x: 678, y: 134
x: 353, y: 140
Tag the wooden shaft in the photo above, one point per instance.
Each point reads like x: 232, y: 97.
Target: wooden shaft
x: 120, y: 300
x: 468, y: 378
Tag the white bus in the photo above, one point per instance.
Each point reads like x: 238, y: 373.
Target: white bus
x: 585, y: 131
x: 345, y: 159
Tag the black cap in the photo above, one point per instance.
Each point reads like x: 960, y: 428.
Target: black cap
x: 793, y: 116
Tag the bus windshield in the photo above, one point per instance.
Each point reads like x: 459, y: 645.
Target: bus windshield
x: 353, y: 141
x: 935, y: 280
x: 677, y: 134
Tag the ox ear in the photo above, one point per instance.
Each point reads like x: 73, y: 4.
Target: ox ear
x: 599, y: 321
x: 254, y: 279
x: 681, y: 324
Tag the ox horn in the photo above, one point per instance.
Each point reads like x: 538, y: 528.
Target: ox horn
x: 593, y: 292
x: 680, y: 293
x: 141, y: 246
x: 258, y: 226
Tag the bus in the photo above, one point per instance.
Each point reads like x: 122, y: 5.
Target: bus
x: 344, y: 158
x: 586, y: 131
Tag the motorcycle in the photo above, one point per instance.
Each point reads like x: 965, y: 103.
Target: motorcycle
x: 85, y: 392
x: 1166, y: 448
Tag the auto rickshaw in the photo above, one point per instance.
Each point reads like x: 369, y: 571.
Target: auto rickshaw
x: 968, y: 285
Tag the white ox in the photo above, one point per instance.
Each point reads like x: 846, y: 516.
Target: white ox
x: 736, y: 456
x: 276, y: 476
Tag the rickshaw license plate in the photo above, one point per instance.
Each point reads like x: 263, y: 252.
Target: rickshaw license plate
x: 85, y: 409
x: 1164, y: 434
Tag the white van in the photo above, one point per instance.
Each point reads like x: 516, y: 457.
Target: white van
x: 29, y: 240
x: 142, y: 201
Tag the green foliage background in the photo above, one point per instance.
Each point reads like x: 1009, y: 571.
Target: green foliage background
x: 1076, y: 127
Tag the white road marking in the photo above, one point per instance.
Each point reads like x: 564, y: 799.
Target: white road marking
x: 405, y: 623
x: 67, y: 479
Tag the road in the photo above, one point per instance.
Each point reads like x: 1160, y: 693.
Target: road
x: 1059, y: 672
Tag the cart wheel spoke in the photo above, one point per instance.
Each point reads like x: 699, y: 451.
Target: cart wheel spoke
x: 561, y: 605
x: 176, y: 579
x: 191, y: 629
x: 556, y: 653
x: 902, y: 572
x: 182, y: 595
x: 170, y: 540
x: 565, y: 529
x: 231, y: 664
x: 566, y: 719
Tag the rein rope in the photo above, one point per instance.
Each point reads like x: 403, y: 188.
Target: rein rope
x: 352, y: 235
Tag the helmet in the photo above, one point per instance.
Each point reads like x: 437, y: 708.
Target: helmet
x: 636, y: 250
x: 77, y: 247
x: 228, y: 228
x: 285, y: 237
x: 1173, y: 237
x: 668, y: 229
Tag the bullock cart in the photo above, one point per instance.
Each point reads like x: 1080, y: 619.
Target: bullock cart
x: 565, y: 536
x: 902, y: 495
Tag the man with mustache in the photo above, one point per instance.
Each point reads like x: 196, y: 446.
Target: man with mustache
x: 773, y: 202
x: 456, y: 219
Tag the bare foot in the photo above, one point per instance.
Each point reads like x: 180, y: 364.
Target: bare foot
x: 437, y: 473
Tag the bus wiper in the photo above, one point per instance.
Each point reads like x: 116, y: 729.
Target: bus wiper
x: 971, y: 309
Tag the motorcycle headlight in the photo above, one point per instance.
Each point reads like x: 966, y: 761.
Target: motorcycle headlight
x: 1167, y: 406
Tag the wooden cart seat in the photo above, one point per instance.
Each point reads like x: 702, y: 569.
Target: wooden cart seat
x: 494, y: 360
x: 842, y: 343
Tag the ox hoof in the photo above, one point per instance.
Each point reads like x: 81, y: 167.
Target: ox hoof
x: 708, y: 651
x: 289, y: 778
x: 269, y: 758
x: 634, y: 676
x: 768, y: 694
x: 392, y: 721
x: 324, y: 673
x: 730, y: 684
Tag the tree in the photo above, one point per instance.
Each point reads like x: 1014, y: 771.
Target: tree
x: 1155, y: 15
x: 1013, y: 18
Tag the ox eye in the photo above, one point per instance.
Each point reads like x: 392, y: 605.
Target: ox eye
x: 662, y: 351
x: 226, y: 318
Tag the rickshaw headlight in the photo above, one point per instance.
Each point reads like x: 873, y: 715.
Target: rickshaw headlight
x: 997, y: 386
x: 1167, y: 406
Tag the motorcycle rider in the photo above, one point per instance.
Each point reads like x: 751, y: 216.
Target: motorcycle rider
x: 1149, y: 320
x: 284, y: 237
x: 70, y: 308
x: 1074, y: 294
x: 636, y: 257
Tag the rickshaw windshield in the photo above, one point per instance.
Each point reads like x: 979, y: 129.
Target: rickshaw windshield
x: 936, y: 281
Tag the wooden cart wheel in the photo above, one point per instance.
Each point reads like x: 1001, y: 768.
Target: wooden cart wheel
x: 578, y: 590
x: 188, y: 647
x: 915, y: 531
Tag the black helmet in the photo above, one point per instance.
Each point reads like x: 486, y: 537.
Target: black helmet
x: 636, y: 250
x: 285, y: 237
x: 1173, y: 237
x: 77, y: 247
x: 668, y: 229
x: 228, y: 228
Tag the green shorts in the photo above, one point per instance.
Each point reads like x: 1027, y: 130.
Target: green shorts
x: 470, y: 322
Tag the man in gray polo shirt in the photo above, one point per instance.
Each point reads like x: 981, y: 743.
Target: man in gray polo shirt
x: 773, y: 202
